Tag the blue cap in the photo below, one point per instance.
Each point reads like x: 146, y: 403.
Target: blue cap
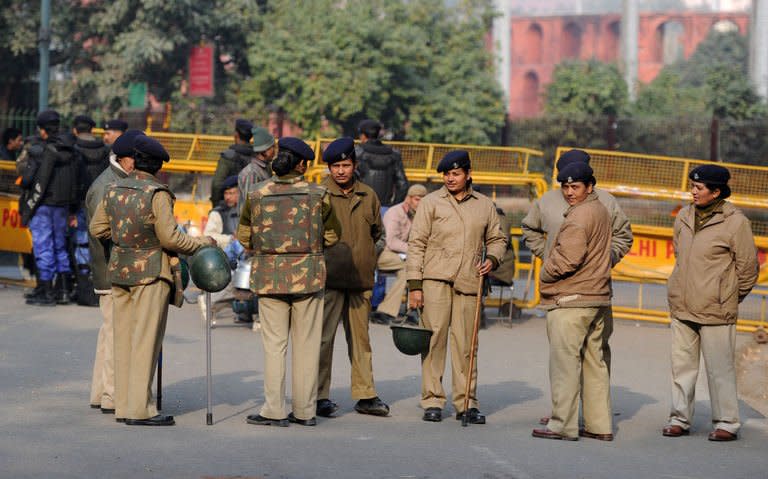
x: 124, y: 144
x: 340, y: 149
x: 576, y: 171
x: 116, y: 124
x: 572, y: 156
x: 151, y: 147
x: 230, y: 182
x: 48, y: 117
x: 84, y: 120
x: 298, y: 147
x: 243, y: 125
x: 454, y: 159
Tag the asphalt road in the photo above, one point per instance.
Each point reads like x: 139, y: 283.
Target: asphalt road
x: 48, y: 430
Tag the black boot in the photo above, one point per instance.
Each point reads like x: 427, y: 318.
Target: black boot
x: 35, y: 293
x: 47, y: 296
x: 63, y: 288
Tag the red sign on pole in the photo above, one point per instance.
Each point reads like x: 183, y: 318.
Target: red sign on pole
x: 201, y: 71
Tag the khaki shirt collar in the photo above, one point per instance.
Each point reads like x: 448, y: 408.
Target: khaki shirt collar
x: 335, y: 190
x: 445, y: 194
x: 590, y: 197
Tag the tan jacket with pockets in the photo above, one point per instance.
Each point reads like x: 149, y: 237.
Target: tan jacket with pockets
x: 714, y: 269
x: 577, y: 271
x: 447, y: 237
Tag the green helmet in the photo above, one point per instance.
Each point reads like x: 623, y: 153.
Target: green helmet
x: 411, y: 340
x: 209, y: 268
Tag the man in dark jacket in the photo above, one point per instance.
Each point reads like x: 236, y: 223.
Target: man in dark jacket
x: 12, y: 141
x: 49, y: 202
x: 233, y: 159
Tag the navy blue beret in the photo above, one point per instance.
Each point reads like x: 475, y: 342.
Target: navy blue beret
x: 125, y: 143
x: 115, y: 124
x: 572, y: 156
x: 296, y: 146
x: 84, y: 120
x: 243, y: 125
x: 712, y: 174
x: 48, y: 117
x: 576, y: 171
x: 369, y: 125
x: 151, y: 147
x: 340, y: 149
x: 454, y: 159
x: 230, y: 182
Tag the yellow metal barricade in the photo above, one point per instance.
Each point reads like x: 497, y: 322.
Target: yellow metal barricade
x: 651, y: 190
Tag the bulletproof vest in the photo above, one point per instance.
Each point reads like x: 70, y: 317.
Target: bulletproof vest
x: 230, y: 218
x: 287, y: 237
x: 136, y: 256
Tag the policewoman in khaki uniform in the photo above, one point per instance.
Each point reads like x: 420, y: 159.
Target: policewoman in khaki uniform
x: 716, y: 267
x: 576, y: 291
x: 286, y: 223
x: 137, y: 216
x: 103, y: 382
x: 350, y: 264
x: 449, y: 231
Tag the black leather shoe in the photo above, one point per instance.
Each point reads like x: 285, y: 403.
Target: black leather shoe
x: 373, y: 406
x: 326, y: 408
x: 119, y: 419
x: 474, y: 416
x: 105, y: 410
x: 158, y: 420
x: 95, y: 406
x: 260, y: 420
x: 302, y: 422
x: 433, y: 414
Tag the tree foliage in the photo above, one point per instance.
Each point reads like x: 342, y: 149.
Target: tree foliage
x: 419, y: 67
x: 586, y: 88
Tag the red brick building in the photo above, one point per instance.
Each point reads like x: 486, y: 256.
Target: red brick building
x: 538, y: 44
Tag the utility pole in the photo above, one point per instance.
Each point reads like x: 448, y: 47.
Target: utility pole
x: 44, y: 45
x: 629, y: 33
x: 503, y: 48
x: 758, y: 48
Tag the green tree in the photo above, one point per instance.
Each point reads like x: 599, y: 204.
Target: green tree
x: 586, y: 88
x: 668, y: 96
x: 419, y: 67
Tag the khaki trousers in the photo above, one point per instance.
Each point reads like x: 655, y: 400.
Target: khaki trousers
x: 302, y: 318
x: 717, y: 344
x: 140, y: 314
x: 449, y: 315
x: 352, y: 308
x: 390, y: 261
x: 578, y: 368
x: 103, y: 382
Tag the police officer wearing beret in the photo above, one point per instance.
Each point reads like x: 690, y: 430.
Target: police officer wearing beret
x: 351, y: 264
x: 286, y: 223
x: 233, y: 159
x: 120, y: 166
x: 137, y: 216
x: 576, y: 291
x: 716, y: 267
x: 112, y: 131
x: 450, y: 229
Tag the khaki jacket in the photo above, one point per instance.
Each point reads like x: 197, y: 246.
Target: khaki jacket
x: 714, y: 269
x: 577, y: 271
x: 351, y: 262
x: 543, y: 221
x: 447, y: 237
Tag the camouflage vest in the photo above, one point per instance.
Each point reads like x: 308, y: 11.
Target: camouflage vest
x: 287, y: 237
x: 136, y: 256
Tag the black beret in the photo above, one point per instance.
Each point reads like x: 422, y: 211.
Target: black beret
x: 243, y: 125
x: 454, y: 159
x: 296, y: 146
x: 572, y: 156
x: 367, y: 125
x: 119, y: 125
x: 151, y: 147
x: 577, y: 171
x: 84, y: 120
x: 340, y: 149
x: 125, y: 143
x: 230, y: 182
x: 48, y: 117
x: 715, y: 175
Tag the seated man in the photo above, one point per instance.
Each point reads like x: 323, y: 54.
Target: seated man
x: 397, y: 226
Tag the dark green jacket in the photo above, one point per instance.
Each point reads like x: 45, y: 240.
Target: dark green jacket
x: 232, y: 161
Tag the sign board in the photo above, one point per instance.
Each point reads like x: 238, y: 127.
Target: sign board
x: 201, y: 71
x: 137, y: 95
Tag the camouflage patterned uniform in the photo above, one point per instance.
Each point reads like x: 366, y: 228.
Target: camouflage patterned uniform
x: 137, y: 216
x: 287, y: 222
